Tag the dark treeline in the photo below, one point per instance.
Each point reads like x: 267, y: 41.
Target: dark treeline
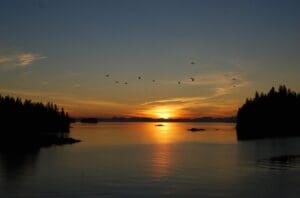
x: 32, y: 124
x: 89, y: 120
x: 275, y: 114
x: 33, y: 117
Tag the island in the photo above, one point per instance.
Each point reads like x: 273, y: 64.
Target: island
x: 32, y: 124
x: 196, y: 129
x: 271, y: 115
x: 89, y: 120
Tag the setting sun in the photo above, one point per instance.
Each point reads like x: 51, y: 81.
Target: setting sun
x: 164, y: 113
x: 149, y: 98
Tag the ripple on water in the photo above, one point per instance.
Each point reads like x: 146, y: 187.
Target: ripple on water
x: 282, y: 162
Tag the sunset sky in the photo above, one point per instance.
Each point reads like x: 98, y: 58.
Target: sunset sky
x: 61, y: 50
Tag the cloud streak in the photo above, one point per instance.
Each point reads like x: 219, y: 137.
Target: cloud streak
x: 213, y: 78
x: 221, y: 84
x: 212, y: 105
x: 19, y: 60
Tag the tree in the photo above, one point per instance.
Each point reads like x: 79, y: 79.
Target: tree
x: 275, y: 114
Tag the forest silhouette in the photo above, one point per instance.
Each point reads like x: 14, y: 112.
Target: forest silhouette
x: 275, y: 114
x: 34, y: 123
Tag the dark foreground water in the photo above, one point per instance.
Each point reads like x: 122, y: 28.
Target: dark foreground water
x: 144, y: 160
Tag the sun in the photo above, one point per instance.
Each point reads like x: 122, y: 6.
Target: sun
x: 163, y: 115
x: 163, y: 112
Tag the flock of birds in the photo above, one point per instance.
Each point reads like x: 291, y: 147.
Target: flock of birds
x: 234, y: 80
x: 140, y: 78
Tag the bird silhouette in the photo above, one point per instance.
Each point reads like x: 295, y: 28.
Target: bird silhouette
x: 153, y: 80
x: 193, y: 79
x: 179, y: 82
x: 192, y: 63
x: 107, y: 75
x: 125, y: 83
x: 139, y: 78
x: 116, y: 81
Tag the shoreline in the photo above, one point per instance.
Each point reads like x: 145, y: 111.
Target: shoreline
x: 31, y: 141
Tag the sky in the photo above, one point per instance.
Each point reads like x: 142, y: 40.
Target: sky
x: 61, y: 51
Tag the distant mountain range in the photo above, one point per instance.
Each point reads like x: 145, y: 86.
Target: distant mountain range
x: 145, y: 119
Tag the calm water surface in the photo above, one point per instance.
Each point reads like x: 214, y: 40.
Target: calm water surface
x: 144, y: 160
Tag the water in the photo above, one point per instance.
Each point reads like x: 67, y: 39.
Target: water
x: 144, y: 160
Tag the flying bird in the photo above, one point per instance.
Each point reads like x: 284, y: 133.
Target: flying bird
x: 193, y: 79
x: 125, y: 83
x: 192, y: 63
x: 179, y: 82
x: 139, y: 78
x: 107, y: 75
x: 153, y: 80
x: 116, y: 81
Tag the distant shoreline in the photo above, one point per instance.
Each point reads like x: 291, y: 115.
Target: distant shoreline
x: 34, y: 141
x: 138, y: 119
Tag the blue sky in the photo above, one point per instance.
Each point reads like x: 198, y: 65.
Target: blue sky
x: 61, y: 51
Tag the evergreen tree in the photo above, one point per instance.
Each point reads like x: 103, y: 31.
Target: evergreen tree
x: 275, y: 114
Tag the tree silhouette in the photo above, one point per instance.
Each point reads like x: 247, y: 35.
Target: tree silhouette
x: 35, y: 122
x: 275, y: 114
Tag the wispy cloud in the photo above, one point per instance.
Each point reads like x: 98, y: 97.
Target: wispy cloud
x: 213, y: 78
x: 27, y: 58
x: 5, y: 59
x: 13, y: 61
x: 212, y: 105
x: 220, y: 84
x: 176, y: 101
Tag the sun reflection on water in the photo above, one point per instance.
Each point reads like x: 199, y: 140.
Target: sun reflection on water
x: 161, y: 161
x: 163, y: 134
x: 152, y: 133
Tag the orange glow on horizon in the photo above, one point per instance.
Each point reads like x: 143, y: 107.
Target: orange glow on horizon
x: 162, y: 112
x: 154, y: 113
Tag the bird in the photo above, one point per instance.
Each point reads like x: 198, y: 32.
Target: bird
x: 125, y: 83
x: 192, y: 63
x: 116, y: 81
x: 178, y: 82
x: 234, y: 79
x: 107, y: 75
x: 139, y: 78
x: 153, y: 80
x: 193, y: 79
